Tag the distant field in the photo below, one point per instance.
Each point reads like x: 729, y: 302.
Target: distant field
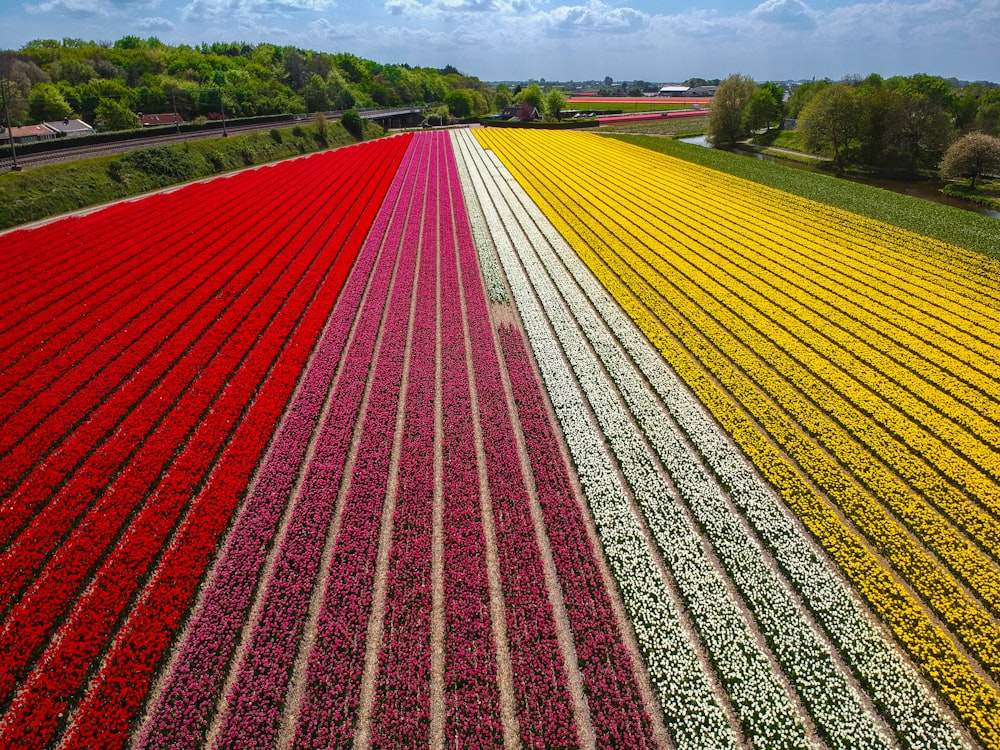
x: 643, y: 101
x: 627, y: 105
x: 670, y: 127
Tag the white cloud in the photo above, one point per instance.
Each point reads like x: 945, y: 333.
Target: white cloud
x: 439, y: 9
x: 595, y: 17
x: 88, y: 8
x: 213, y: 10
x: 791, y: 13
x: 322, y: 28
x: 154, y: 24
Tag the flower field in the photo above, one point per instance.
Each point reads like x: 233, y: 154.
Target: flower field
x: 496, y: 438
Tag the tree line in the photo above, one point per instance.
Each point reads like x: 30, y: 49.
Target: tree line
x: 903, y: 123
x: 111, y: 83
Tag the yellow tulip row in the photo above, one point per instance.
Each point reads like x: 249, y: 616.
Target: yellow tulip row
x: 792, y: 359
x: 844, y: 320
x: 946, y: 267
x: 678, y: 306
x: 872, y: 248
x: 954, y: 324
x: 836, y: 365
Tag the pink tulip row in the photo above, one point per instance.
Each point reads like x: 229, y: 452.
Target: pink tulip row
x: 402, y: 698
x: 255, y: 700
x: 472, y: 697
x: 81, y: 528
x: 544, y: 708
x: 610, y: 683
x: 183, y: 713
x: 329, y: 706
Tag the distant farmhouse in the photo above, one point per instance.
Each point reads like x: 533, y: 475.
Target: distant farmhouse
x: 69, y: 128
x: 45, y: 131
x: 27, y: 134
x: 699, y: 91
x: 149, y: 121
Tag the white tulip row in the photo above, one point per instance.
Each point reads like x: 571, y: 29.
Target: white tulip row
x: 761, y: 702
x: 485, y: 249
x: 694, y: 716
x: 668, y: 422
x: 887, y: 676
x: 802, y: 651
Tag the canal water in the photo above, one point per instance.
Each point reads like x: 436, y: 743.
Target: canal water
x: 918, y: 189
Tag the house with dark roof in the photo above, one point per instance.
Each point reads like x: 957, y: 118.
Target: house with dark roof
x: 69, y: 128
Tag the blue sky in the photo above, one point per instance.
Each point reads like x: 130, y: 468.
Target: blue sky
x: 565, y: 39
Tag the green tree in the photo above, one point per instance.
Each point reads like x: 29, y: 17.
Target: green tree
x: 315, y: 94
x: 973, y: 155
x: 988, y: 115
x: 48, y: 103
x: 802, y: 95
x: 353, y: 123
x: 321, y: 127
x: 460, y: 103
x: 116, y: 116
x: 879, y: 108
x: 725, y: 119
x: 830, y: 122
x: 555, y: 103
x: 920, y: 131
x: 763, y: 110
x: 532, y: 96
x: 502, y: 98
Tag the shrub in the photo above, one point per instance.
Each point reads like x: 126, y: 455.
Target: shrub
x: 161, y: 161
x: 321, y: 128
x: 115, y: 170
x: 275, y: 135
x: 353, y: 124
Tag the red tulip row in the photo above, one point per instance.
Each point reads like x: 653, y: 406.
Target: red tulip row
x: 134, y: 435
x: 610, y: 683
x: 83, y: 359
x: 187, y: 702
x: 64, y: 404
x: 253, y: 348
x: 51, y: 254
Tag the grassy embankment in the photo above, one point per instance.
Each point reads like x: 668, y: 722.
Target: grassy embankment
x: 40, y: 192
x: 946, y: 223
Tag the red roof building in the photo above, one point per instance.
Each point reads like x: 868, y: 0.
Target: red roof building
x: 27, y: 134
x: 165, y: 119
